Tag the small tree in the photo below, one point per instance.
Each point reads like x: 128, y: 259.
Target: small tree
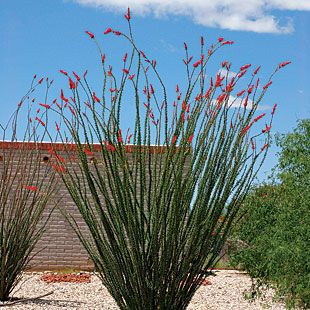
x: 159, y: 200
x: 26, y: 186
x: 276, y: 224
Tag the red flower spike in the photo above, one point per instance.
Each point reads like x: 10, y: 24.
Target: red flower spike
x: 30, y: 120
x: 220, y: 39
x: 219, y: 80
x: 55, y: 100
x: 267, y: 85
x: 90, y: 34
x: 41, y: 80
x: 108, y: 30
x: 63, y: 72
x: 57, y: 126
x: 62, y: 97
x: 274, y: 109
x: 264, y: 147
x: 96, y: 98
x: 256, y: 70
x: 85, y: 73
x: 71, y: 110
x: 224, y: 63
x: 71, y: 84
x: 245, y: 67
x: 117, y: 33
x: 152, y: 89
x: 88, y: 152
x: 76, y: 76
x: 125, y: 71
x: 47, y: 106
x: 259, y: 117
x: 154, y: 122
x: 228, y: 42
x: 142, y: 53
x: 33, y: 100
x: 246, y: 129
x: 250, y: 89
x: 246, y: 101
x: 60, y: 158
x: 190, y: 139
x: 154, y: 63
x: 51, y: 151
x: 35, y: 76
x: 185, y: 46
x: 40, y: 121
x: 146, y: 105
x: 190, y: 59
x: 179, y: 96
x: 267, y: 129
x: 283, y: 64
x: 253, y: 144
x: 242, y: 73
x: 119, y: 137
x: 182, y: 117
x: 129, y: 138
x: 127, y: 16
x: 177, y: 88
x: 110, y: 71
x: 38, y: 111
x: 31, y: 188
x: 58, y: 106
x: 125, y: 57
x: 174, y: 139
x: 257, y: 83
x: 240, y: 93
x: 131, y: 77
x: 197, y: 63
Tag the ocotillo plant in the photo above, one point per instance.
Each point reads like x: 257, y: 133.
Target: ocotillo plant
x: 26, y: 186
x: 159, y: 200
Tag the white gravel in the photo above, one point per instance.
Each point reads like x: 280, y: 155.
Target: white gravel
x: 224, y: 293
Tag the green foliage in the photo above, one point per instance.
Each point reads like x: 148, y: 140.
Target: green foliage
x: 276, y: 224
x: 159, y: 208
x: 26, y: 186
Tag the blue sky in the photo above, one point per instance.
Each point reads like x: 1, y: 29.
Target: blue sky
x: 41, y: 37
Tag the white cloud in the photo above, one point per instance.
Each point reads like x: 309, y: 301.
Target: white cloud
x: 235, y: 102
x: 225, y: 73
x: 249, y: 15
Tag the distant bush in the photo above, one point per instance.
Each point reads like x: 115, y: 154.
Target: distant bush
x: 275, y: 227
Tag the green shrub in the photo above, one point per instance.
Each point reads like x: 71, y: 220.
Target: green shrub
x: 275, y: 227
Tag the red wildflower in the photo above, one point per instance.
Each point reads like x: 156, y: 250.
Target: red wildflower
x: 242, y: 73
x: 129, y: 138
x: 267, y: 85
x: 228, y: 42
x: 58, y: 168
x: 63, y: 72
x: 197, y: 63
x: 190, y: 59
x: 246, y: 129
x: 246, y: 101
x: 71, y: 110
x: 142, y: 53
x: 256, y: 70
x: 117, y: 33
x: 88, y: 152
x: 220, y: 39
x: 274, y: 109
x: 31, y: 188
x: 185, y: 46
x: 108, y: 30
x: 95, y: 97
x: 219, y: 80
x: 253, y: 144
x: 131, y: 77
x: 127, y: 16
x: 154, y: 122
x: 154, y: 63
x: 110, y: 147
x: 245, y: 67
x: 257, y: 82
x: 62, y: 97
x: 47, y: 106
x: 40, y: 81
x: 90, y: 34
x: 125, y: 58
x: 240, y: 93
x: 110, y: 71
x: 283, y: 64
x: 250, y: 89
x: 76, y: 76
x: 57, y: 126
x: 267, y: 129
x: 35, y: 76
x: 125, y: 71
x: 264, y: 146
x: 60, y: 158
x: 174, y: 139
x: 152, y: 89
x: 119, y: 136
x: 190, y: 139
x: 40, y: 121
x: 71, y: 84
x: 259, y: 117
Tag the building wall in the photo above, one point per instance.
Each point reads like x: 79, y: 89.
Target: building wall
x: 59, y: 247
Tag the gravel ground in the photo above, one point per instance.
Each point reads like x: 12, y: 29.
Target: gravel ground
x: 224, y: 293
